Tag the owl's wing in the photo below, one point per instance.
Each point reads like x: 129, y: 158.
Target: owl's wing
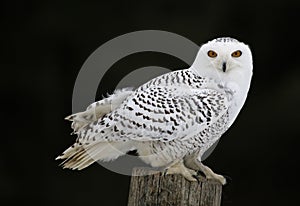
x: 159, y: 113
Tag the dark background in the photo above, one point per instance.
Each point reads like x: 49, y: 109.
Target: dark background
x: 44, y: 45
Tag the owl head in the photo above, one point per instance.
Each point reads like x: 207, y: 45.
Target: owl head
x: 224, y: 59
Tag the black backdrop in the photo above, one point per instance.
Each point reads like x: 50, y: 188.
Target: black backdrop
x: 44, y: 45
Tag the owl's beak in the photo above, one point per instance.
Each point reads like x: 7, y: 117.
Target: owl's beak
x: 224, y: 66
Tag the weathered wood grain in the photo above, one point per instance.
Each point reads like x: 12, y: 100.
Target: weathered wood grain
x: 150, y: 187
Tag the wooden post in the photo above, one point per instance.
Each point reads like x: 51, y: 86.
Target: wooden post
x: 150, y: 187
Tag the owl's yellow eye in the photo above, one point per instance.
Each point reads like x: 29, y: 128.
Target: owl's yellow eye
x: 212, y: 54
x: 237, y: 53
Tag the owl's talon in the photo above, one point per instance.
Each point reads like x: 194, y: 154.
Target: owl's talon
x: 165, y: 172
x: 197, y: 178
x: 200, y: 173
x: 228, y: 179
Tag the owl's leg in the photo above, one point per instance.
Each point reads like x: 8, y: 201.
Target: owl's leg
x: 178, y: 167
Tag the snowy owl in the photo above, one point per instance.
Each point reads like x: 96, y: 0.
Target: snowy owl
x: 172, y: 119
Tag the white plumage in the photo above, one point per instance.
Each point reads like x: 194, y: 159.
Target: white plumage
x: 172, y: 119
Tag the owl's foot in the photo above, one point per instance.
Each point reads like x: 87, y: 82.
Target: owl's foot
x: 209, y: 174
x: 194, y: 163
x: 217, y: 177
x: 179, y: 168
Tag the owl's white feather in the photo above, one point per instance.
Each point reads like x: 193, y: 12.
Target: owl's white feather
x: 176, y: 116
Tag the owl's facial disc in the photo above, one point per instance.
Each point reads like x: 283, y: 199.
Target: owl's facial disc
x: 223, y: 60
x: 219, y: 61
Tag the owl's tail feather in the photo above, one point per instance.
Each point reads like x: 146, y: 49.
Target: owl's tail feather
x: 78, y: 157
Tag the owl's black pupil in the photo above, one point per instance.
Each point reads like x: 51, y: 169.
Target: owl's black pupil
x: 212, y: 54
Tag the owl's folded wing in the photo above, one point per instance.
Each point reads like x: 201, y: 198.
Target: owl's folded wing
x: 159, y: 113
